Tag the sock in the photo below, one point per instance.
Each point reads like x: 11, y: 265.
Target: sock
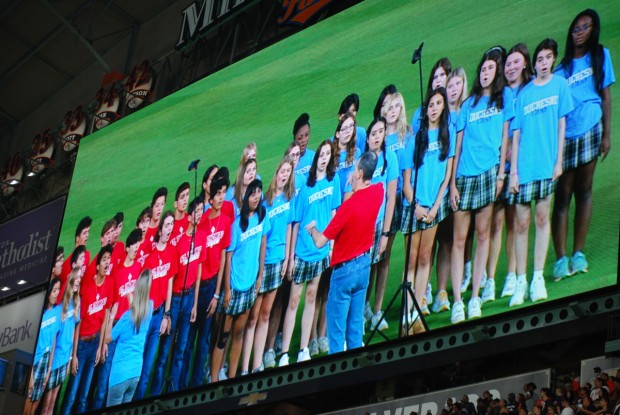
x: 538, y: 274
x: 521, y: 279
x: 468, y: 267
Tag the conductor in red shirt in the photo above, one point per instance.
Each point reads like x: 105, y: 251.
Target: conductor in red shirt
x: 352, y: 230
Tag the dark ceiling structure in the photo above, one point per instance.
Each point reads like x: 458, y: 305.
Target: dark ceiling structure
x: 47, y: 43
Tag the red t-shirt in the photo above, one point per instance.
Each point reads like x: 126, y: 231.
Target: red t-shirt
x: 228, y: 209
x: 150, y: 234
x: 178, y: 229
x: 163, y: 265
x: 94, y: 302
x: 353, y: 227
x: 125, y: 282
x: 218, y: 238
x: 118, y: 254
x: 196, y: 258
x: 66, y: 270
x: 144, y: 250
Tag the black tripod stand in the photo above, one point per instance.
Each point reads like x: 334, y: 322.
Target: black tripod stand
x: 406, y: 323
x: 168, y: 383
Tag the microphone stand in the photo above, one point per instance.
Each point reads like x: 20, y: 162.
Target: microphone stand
x: 192, y: 166
x: 405, y: 289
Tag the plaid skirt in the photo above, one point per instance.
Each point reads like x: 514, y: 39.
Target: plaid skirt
x: 241, y: 301
x: 583, y: 149
x: 306, y: 271
x: 38, y: 373
x: 442, y: 213
x: 398, y: 214
x: 535, y: 190
x: 57, y: 377
x: 272, y: 278
x: 374, y: 250
x: 477, y: 191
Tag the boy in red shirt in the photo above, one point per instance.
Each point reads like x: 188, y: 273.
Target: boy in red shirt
x: 97, y: 294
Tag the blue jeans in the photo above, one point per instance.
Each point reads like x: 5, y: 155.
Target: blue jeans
x: 179, y: 326
x: 345, y: 304
x: 201, y: 329
x: 102, y: 379
x: 122, y: 392
x: 150, y: 349
x: 79, y: 384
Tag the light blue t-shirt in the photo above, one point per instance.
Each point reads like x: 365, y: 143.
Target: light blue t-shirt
x: 279, y: 215
x: 315, y: 203
x: 432, y: 172
x: 245, y: 247
x: 230, y: 196
x: 345, y: 169
x: 415, y: 121
x: 482, y: 133
x: 300, y: 181
x: 588, y: 110
x: 305, y: 162
x: 50, y: 326
x: 64, y: 339
x: 127, y: 361
x: 538, y: 111
x: 393, y: 143
x: 360, y: 139
x: 385, y: 177
x: 454, y: 115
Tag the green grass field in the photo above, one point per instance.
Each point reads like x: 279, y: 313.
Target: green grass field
x: 359, y: 50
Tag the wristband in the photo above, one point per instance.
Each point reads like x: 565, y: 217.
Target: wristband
x: 167, y: 314
x: 216, y: 296
x: 501, y: 177
x: 385, y: 233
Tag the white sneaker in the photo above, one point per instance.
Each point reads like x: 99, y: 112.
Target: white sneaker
x: 314, y: 348
x: 488, y: 294
x: 378, y: 319
x: 269, y: 359
x: 518, y: 297
x: 429, y: 294
x: 303, y: 355
x: 510, y: 285
x: 283, y: 360
x: 323, y: 345
x: 466, y: 281
x: 474, y: 308
x: 458, y: 312
x: 221, y: 375
x: 442, y: 303
x: 367, y: 312
x: 483, y: 281
x: 538, y: 291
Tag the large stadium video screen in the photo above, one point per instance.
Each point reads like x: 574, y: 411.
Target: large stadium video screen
x: 214, y: 304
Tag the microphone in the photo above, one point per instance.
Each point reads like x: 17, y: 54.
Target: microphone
x: 417, y: 54
x: 193, y: 165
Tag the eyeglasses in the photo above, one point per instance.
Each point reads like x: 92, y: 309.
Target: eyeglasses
x: 582, y: 28
x: 295, y: 155
x: 347, y: 129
